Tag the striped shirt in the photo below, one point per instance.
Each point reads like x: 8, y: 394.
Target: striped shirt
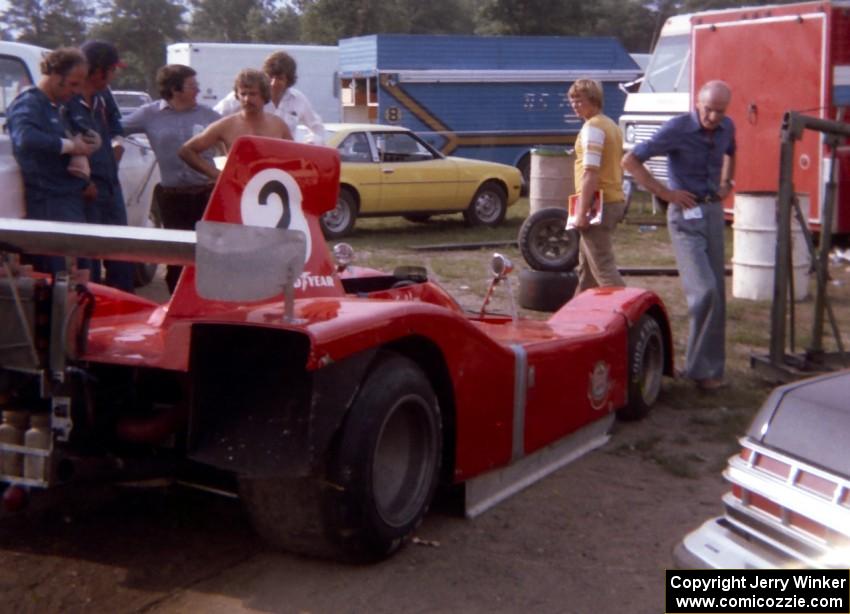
x: 600, y: 145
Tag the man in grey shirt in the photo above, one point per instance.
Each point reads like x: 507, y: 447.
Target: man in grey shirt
x: 183, y: 193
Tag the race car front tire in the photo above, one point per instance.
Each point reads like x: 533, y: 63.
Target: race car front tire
x: 646, y: 367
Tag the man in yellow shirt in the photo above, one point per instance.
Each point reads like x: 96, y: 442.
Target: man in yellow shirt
x: 599, y: 148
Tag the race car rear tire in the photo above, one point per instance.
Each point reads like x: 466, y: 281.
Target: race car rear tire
x: 381, y: 474
x: 646, y: 367
x: 386, y: 461
x: 339, y: 221
x: 545, y: 243
x: 488, y: 206
x: 546, y: 290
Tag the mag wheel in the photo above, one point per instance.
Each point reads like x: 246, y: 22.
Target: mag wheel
x: 545, y: 243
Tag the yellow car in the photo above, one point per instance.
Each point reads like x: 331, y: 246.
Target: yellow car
x: 388, y: 170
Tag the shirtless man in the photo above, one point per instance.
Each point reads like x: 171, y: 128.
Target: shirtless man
x: 253, y: 91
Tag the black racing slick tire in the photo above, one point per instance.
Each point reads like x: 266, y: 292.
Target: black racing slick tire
x: 488, y: 206
x: 545, y: 243
x: 646, y: 368
x: 546, y: 290
x: 386, y: 461
x: 380, y: 476
x: 339, y: 221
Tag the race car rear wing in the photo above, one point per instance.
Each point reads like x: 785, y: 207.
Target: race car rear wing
x: 233, y: 262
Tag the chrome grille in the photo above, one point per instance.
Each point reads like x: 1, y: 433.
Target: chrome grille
x: 658, y: 165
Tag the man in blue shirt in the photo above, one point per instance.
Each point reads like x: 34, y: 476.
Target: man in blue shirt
x: 43, y: 141
x: 95, y: 109
x: 700, y: 150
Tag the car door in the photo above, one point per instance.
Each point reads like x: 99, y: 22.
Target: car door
x: 413, y: 177
x: 360, y: 169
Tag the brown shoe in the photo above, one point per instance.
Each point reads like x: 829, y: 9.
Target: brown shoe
x: 711, y: 384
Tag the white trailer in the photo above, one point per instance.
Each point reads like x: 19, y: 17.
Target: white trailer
x: 218, y: 63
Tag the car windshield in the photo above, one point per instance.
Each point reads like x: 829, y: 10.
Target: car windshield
x: 669, y: 67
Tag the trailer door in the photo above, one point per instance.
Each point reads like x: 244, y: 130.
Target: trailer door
x: 773, y: 65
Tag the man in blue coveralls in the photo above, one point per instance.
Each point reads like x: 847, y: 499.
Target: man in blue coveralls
x: 43, y: 142
x: 700, y: 150
x: 95, y: 109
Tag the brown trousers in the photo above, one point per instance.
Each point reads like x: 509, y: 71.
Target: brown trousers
x: 596, y: 264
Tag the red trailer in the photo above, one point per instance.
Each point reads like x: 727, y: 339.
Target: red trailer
x: 793, y: 57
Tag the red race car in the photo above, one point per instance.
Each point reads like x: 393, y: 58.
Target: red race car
x: 331, y: 399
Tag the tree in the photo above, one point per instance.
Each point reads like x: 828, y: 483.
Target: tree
x: 533, y: 17
x: 228, y: 21
x: 282, y: 26
x: 140, y: 29
x: 49, y: 23
x: 327, y: 21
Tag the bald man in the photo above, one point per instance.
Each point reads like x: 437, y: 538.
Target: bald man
x: 700, y: 150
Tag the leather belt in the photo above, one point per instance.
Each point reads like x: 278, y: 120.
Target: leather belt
x: 707, y: 198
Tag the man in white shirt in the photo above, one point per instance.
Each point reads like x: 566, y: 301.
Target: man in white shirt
x: 288, y: 103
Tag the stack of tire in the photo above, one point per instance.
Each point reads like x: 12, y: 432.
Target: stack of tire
x: 552, y: 253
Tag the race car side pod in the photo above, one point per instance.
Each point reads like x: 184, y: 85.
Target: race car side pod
x: 130, y: 243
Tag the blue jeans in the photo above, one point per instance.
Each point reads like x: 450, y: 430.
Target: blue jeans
x: 698, y: 247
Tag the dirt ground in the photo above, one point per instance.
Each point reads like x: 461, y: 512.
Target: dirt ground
x: 593, y: 537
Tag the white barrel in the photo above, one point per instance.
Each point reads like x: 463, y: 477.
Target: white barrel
x: 754, y: 248
x: 551, y: 178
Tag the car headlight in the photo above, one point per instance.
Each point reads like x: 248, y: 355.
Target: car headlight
x: 630, y: 133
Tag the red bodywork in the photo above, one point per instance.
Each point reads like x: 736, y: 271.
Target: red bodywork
x: 482, y: 358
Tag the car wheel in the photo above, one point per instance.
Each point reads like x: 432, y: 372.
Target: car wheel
x: 381, y: 475
x: 646, y: 367
x: 339, y: 221
x: 546, y: 290
x: 488, y: 206
x: 418, y: 218
x: 545, y: 243
x: 386, y: 460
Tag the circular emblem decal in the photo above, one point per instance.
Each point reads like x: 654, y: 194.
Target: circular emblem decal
x: 272, y: 198
x: 599, y: 385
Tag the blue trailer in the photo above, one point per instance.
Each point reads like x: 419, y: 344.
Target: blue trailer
x: 485, y: 97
